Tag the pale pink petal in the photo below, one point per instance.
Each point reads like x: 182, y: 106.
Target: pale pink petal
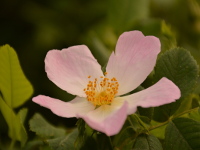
x: 108, y: 119
x: 133, y: 60
x: 163, y: 92
x: 69, y: 68
x: 65, y: 109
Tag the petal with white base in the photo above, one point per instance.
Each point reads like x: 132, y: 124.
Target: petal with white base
x: 163, y: 92
x: 133, y: 60
x: 69, y: 68
x: 108, y: 119
x: 70, y: 109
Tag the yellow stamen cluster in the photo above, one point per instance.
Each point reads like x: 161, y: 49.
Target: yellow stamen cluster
x: 101, y: 92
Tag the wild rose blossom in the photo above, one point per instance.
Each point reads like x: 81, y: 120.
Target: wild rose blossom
x: 98, y: 99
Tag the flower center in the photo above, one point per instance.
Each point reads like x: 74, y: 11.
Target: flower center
x: 102, y: 91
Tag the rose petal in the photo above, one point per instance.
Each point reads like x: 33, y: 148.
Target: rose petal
x: 69, y: 68
x: 108, y: 119
x: 163, y: 92
x: 133, y: 60
x: 65, y: 109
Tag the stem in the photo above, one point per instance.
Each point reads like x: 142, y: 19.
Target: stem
x: 141, y: 123
x: 157, y: 126
x: 187, y: 111
x: 110, y: 142
x: 130, y: 121
x: 12, y: 145
x: 173, y: 117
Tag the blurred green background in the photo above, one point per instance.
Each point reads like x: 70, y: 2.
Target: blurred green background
x: 33, y: 27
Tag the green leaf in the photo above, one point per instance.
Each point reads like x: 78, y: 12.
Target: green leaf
x: 148, y: 112
x: 139, y: 124
x: 181, y: 68
x: 17, y: 131
x: 183, y: 134
x: 14, y: 86
x: 132, y: 128
x: 85, y: 133
x: 34, y: 144
x: 186, y: 104
x: 159, y: 132
x: 124, y: 140
x: 81, y: 126
x: 195, y: 115
x: 22, y: 114
x: 42, y: 128
x: 63, y: 143
x: 147, y: 142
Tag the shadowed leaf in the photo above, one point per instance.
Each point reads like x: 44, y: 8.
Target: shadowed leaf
x: 17, y: 131
x: 147, y: 142
x: 181, y: 68
x: 42, y: 128
x: 183, y: 134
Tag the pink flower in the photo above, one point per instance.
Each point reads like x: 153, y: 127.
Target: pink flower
x: 98, y: 100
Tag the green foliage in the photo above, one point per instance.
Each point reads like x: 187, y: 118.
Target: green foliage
x: 15, y: 122
x: 63, y: 143
x: 148, y: 112
x: 182, y: 133
x: 158, y: 132
x: 195, y: 115
x: 147, y: 142
x: 134, y: 126
x: 15, y: 90
x: 42, y: 128
x: 85, y: 134
x: 90, y: 139
x: 14, y: 86
x: 56, y: 138
x: 125, y: 139
x: 181, y: 68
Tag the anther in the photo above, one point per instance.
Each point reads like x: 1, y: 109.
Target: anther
x: 102, y: 92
